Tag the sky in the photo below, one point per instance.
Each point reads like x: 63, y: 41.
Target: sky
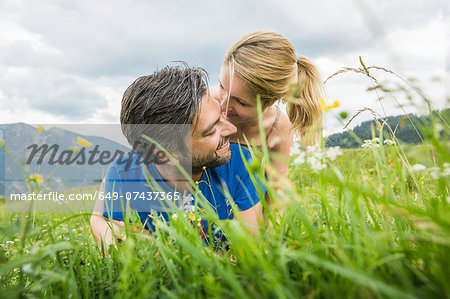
x: 70, y: 61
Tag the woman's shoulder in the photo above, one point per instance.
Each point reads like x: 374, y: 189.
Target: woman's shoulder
x: 281, y: 132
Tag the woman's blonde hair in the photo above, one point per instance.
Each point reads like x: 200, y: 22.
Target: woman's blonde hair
x: 270, y: 67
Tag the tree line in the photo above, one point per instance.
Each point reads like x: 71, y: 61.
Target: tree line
x: 408, y: 128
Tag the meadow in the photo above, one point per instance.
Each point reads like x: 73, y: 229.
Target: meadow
x: 369, y: 222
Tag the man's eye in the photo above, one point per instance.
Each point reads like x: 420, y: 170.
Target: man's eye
x: 211, y: 133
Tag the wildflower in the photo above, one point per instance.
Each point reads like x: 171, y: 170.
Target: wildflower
x: 27, y: 269
x: 371, y: 143
x: 174, y: 216
x: 189, y: 208
x: 446, y: 169
x: 313, y: 149
x: 387, y: 141
x: 36, y: 178
x: 438, y: 128
x: 418, y: 167
x: 333, y: 152
x: 74, y: 150
x: 324, y: 106
x: 434, y: 172
x: 315, y: 164
x: 295, y: 149
x: 83, y: 142
x: 40, y: 129
x: 300, y: 159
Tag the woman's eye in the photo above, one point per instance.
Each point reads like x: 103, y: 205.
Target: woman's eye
x: 241, y: 103
x: 211, y: 133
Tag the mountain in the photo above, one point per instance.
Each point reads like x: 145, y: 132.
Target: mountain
x: 19, y: 137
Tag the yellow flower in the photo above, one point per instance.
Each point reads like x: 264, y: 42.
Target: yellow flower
x: 40, y: 129
x: 324, y: 106
x: 83, y: 142
x: 36, y: 177
x: 74, y: 150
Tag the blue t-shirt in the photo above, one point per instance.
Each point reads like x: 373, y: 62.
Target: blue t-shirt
x: 127, y: 184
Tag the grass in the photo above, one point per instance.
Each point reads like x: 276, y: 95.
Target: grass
x: 366, y: 225
x: 361, y: 227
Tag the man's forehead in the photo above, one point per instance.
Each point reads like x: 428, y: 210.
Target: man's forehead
x: 206, y: 114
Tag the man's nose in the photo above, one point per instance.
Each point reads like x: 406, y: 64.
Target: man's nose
x: 229, y: 129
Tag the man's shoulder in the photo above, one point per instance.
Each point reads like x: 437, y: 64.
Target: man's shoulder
x: 129, y: 161
x: 236, y: 151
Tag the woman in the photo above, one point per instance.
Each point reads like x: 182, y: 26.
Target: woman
x: 265, y: 64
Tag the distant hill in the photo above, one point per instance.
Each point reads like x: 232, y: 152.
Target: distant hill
x: 19, y: 136
x: 404, y: 130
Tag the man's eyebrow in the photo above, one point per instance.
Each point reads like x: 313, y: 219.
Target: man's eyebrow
x: 210, y: 127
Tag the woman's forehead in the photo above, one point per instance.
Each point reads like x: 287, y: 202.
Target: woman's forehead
x: 238, y: 87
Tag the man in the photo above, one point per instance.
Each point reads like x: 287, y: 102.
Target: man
x: 151, y: 106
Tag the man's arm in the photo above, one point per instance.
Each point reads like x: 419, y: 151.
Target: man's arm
x: 101, y: 227
x: 252, y: 217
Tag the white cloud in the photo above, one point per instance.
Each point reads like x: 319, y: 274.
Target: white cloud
x: 71, y: 61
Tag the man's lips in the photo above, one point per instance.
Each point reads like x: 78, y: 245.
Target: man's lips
x: 224, y: 146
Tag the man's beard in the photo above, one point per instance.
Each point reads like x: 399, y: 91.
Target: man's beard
x: 200, y: 161
x: 210, y: 160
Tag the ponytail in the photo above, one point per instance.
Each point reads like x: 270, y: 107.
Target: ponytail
x: 303, y: 105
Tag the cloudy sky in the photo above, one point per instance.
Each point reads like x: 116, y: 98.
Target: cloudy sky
x: 70, y: 61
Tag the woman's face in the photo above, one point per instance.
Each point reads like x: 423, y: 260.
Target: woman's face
x: 238, y: 102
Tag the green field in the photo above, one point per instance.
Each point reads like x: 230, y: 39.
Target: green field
x: 367, y: 224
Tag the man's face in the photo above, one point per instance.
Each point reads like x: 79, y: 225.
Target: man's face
x: 210, y: 138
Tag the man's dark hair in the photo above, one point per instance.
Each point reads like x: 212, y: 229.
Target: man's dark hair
x: 168, y: 97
